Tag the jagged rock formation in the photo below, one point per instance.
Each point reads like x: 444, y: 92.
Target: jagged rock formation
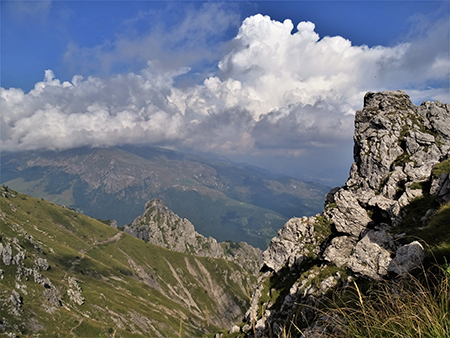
x: 161, y: 226
x: 397, y: 148
x: 74, y: 292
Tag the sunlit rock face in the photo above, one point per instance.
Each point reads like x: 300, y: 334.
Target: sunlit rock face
x: 398, y: 147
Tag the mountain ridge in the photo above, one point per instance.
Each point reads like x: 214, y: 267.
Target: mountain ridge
x: 161, y: 226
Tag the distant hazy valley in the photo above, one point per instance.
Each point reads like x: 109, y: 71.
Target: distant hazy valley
x: 222, y: 199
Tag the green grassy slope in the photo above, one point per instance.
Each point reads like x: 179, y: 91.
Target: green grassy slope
x: 130, y: 288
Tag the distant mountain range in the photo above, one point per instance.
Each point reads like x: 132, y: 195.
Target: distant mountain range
x: 222, y: 199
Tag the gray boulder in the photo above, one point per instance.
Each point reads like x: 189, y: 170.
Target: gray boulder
x: 348, y: 217
x: 296, y: 241
x: 372, y: 255
x: 339, y: 250
x: 234, y: 329
x: 407, y: 258
x: 6, y: 253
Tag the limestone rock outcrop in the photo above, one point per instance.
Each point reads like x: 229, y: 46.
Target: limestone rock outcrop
x: 399, y: 154
x: 296, y: 241
x: 74, y: 291
x: 160, y: 226
x: 14, y: 253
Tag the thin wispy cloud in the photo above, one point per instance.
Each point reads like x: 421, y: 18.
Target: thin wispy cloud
x: 177, y: 36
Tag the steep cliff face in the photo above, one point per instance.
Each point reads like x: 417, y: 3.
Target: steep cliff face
x: 397, y: 151
x: 161, y: 226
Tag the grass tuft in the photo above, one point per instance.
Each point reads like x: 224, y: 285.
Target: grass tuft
x: 441, y: 168
x: 408, y: 307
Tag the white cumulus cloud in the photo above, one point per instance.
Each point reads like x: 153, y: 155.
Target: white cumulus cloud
x: 278, y: 91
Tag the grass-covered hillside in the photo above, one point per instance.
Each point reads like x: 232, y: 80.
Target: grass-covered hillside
x: 63, y: 274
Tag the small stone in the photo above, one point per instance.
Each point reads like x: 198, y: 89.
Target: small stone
x: 234, y: 329
x: 246, y: 328
x: 6, y: 253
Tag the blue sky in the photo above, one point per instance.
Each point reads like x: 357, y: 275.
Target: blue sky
x: 37, y: 34
x: 231, y: 79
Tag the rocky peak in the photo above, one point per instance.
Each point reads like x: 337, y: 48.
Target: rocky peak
x: 397, y: 144
x: 396, y: 141
x: 397, y: 148
x: 161, y: 226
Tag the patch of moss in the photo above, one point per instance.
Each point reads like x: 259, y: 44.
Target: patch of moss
x: 310, y: 248
x: 326, y: 272
x: 402, y: 159
x: 322, y: 228
x: 416, y: 120
x: 424, y: 186
x: 404, y: 132
x: 441, y: 168
x: 414, y: 211
x: 277, y: 286
x: 437, y: 233
x: 434, y: 234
